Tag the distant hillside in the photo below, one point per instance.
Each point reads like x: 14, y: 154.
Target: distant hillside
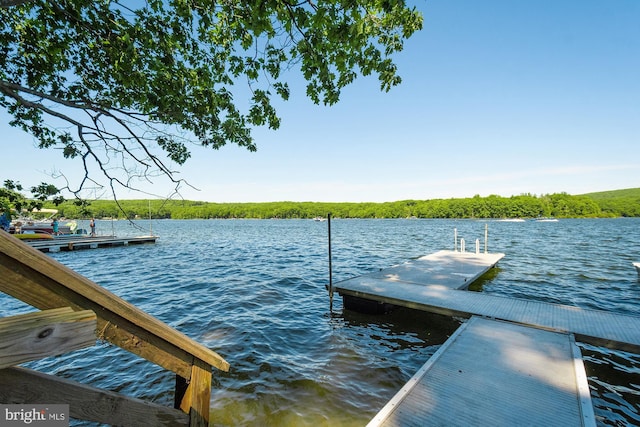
x: 618, y: 202
x: 632, y: 193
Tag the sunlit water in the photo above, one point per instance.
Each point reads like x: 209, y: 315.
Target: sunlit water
x: 254, y: 291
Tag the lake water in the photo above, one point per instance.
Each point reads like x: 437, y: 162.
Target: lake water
x: 254, y: 291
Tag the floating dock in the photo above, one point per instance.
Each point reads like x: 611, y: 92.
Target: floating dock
x: 493, y: 373
x: 72, y: 243
x: 513, y: 362
x: 376, y: 292
x: 448, y: 269
x: 434, y: 283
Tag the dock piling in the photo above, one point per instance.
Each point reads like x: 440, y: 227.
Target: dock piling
x: 486, y: 238
x: 330, y: 267
x: 455, y: 240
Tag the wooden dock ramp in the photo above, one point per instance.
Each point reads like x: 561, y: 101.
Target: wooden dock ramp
x: 493, y: 373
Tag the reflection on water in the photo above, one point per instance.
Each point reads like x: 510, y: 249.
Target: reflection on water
x: 254, y: 291
x: 616, y: 400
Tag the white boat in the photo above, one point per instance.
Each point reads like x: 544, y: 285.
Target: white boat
x: 637, y: 266
x: 27, y: 225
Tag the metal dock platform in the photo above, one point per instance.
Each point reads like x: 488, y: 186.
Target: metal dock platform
x: 73, y: 243
x: 436, y: 290
x: 492, y: 373
x: 514, y: 363
x: 448, y: 269
x: 443, y: 269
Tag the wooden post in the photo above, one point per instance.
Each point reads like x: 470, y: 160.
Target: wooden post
x: 193, y: 396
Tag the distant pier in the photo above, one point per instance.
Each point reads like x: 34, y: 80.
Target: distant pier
x: 72, y: 243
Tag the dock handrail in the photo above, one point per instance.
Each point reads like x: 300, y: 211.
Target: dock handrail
x: 40, y: 281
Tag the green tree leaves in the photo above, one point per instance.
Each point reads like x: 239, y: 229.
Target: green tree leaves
x: 110, y: 83
x: 12, y: 199
x: 560, y: 205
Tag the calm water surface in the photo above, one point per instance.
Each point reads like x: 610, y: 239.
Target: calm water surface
x: 254, y: 291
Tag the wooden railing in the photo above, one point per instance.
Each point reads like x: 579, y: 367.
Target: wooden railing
x: 40, y: 281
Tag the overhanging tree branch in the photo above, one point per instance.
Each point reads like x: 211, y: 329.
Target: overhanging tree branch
x: 139, y: 85
x: 97, y: 131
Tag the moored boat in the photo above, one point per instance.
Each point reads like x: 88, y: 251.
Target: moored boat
x: 43, y: 226
x: 33, y: 236
x: 637, y: 266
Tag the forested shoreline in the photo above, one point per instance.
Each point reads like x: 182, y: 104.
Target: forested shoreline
x: 619, y: 203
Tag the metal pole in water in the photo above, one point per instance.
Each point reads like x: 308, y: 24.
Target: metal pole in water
x: 150, y: 224
x: 330, y: 267
x: 455, y: 240
x: 486, y: 238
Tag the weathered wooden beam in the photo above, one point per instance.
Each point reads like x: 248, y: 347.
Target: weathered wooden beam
x: 194, y: 397
x: 32, y: 336
x: 43, y: 293
x: 21, y: 385
x: 38, y: 280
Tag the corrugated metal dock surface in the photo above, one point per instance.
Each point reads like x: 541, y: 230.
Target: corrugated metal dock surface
x: 492, y: 373
x: 453, y: 270
x: 74, y: 243
x: 597, y: 327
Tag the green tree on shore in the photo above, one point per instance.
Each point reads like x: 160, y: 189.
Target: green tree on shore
x: 559, y: 205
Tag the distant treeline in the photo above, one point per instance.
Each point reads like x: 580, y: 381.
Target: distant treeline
x: 608, y: 204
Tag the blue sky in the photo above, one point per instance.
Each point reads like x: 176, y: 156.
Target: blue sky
x: 498, y: 97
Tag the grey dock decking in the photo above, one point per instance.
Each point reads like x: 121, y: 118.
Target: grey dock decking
x: 493, y: 373
x: 437, y: 290
x: 450, y: 269
x: 74, y: 243
x: 514, y: 363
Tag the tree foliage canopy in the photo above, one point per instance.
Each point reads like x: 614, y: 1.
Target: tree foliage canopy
x: 118, y: 83
x: 558, y: 205
x: 13, y: 199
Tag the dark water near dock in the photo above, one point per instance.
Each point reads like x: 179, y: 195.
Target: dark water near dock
x: 254, y: 291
